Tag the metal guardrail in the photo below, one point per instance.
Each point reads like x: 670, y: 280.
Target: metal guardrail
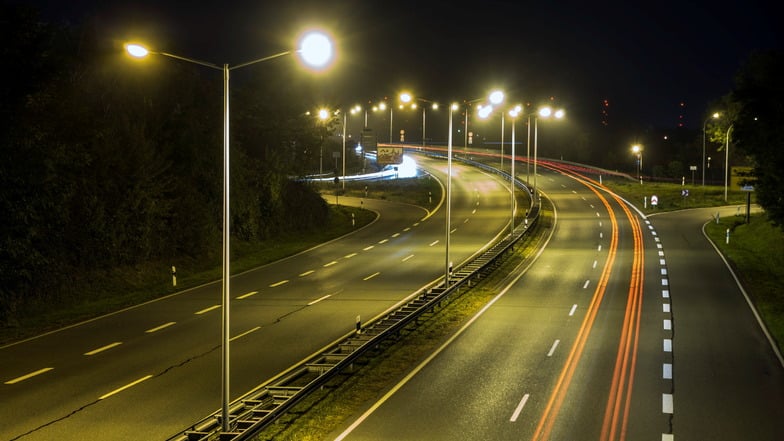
x: 257, y: 409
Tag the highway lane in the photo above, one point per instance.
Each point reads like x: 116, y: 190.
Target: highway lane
x: 149, y: 371
x: 728, y: 381
x: 570, y: 349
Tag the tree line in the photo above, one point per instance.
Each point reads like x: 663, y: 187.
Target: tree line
x: 108, y: 163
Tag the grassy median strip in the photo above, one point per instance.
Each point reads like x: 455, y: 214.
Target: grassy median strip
x: 319, y: 415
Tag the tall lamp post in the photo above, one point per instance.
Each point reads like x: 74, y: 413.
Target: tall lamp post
x: 637, y: 150
x: 514, y: 113
x: 315, y: 51
x: 434, y: 106
x: 447, y: 263
x: 544, y: 113
x: 714, y: 116
x: 496, y: 97
x: 727, y: 160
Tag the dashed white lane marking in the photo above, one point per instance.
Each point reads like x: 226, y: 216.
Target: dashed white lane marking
x: 668, y: 437
x: 407, y: 257
x: 158, y: 328
x: 329, y: 264
x: 103, y: 348
x: 245, y: 333
x: 371, y: 276
x: 349, y: 256
x: 396, y: 235
x: 665, y: 307
x: 28, y: 376
x: 667, y: 371
x: 319, y: 299
x: 667, y: 324
x: 667, y: 345
x: 667, y: 403
x: 368, y: 248
x: 552, y: 348
x: 383, y: 241
x: 245, y: 296
x: 586, y: 284
x: 594, y: 264
x: 519, y: 408
x: 276, y: 284
x: 433, y: 243
x: 206, y: 310
x: 600, y: 248
x: 666, y: 293
x: 118, y: 390
x: 574, y: 308
x: 665, y: 282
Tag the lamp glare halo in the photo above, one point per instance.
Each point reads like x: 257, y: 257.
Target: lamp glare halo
x: 136, y: 50
x: 316, y: 49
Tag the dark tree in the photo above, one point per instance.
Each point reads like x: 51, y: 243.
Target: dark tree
x: 759, y: 128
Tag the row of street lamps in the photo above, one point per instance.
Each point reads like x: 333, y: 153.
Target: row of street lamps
x: 637, y: 150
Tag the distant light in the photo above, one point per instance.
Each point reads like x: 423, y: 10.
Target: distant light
x: 136, y: 50
x: 485, y: 111
x: 559, y: 113
x: 545, y: 112
x: 323, y: 114
x: 316, y: 49
x: 405, y: 97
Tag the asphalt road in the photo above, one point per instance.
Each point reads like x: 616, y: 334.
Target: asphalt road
x: 150, y: 371
x: 643, y: 335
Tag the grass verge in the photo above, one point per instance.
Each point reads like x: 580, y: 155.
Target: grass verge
x: 101, y: 292
x: 756, y: 253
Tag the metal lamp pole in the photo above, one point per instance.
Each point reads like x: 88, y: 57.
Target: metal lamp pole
x: 727, y: 160
x: 316, y: 50
x: 714, y: 116
x: 448, y: 197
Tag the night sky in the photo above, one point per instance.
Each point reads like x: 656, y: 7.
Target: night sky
x: 645, y: 60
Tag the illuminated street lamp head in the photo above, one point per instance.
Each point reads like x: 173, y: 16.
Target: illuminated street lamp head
x: 496, y: 97
x: 455, y: 106
x: 485, y: 111
x: 545, y: 112
x: 323, y: 114
x: 136, y: 50
x: 559, y: 114
x: 636, y: 148
x: 515, y: 112
x: 315, y: 49
x: 405, y: 97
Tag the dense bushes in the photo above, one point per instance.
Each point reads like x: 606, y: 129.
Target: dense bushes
x: 108, y: 163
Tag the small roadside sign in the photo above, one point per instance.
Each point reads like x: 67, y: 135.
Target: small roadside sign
x: 654, y: 200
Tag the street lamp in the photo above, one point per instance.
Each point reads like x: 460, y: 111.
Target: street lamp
x: 315, y: 50
x: 496, y: 98
x: 544, y: 113
x: 514, y: 113
x: 637, y: 150
x: 715, y: 115
x: 434, y: 106
x: 727, y: 160
x: 323, y: 115
x: 448, y: 265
